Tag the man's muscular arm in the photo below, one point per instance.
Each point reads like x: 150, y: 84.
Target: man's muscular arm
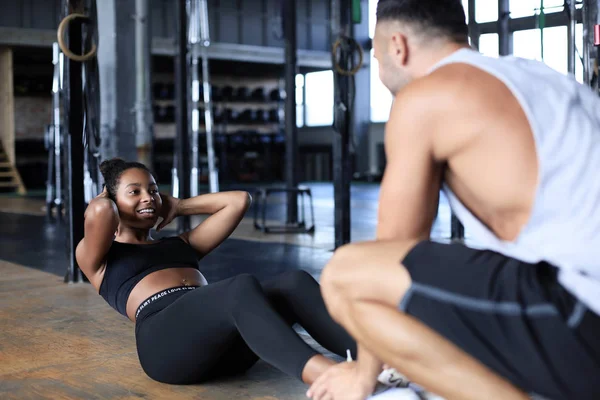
x: 410, y: 188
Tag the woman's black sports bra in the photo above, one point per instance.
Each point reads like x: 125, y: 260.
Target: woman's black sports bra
x: 127, y: 264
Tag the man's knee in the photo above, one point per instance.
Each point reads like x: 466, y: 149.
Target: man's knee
x: 336, y: 273
x: 337, y: 279
x: 369, y: 271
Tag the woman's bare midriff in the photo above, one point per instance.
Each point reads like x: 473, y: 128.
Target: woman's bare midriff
x: 159, y: 281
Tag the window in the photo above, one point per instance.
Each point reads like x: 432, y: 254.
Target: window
x: 489, y: 45
x: 381, y: 97
x: 527, y: 44
x: 555, y: 48
x: 527, y: 8
x: 319, y: 98
x: 372, y: 17
x: 465, y: 4
x: 299, y: 100
x: 486, y: 10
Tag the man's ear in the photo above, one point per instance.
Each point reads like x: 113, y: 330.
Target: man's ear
x: 398, y: 48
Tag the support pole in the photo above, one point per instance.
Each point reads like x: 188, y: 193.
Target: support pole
x: 586, y: 42
x: 55, y: 195
x: 592, y: 39
x: 74, y: 101
x: 596, y: 42
x: 194, y: 38
x: 591, y: 18
x: 183, y: 142
x: 291, y: 144
x: 504, y: 34
x: 344, y: 87
x: 143, y: 115
x: 473, y: 25
x: 571, y: 32
x: 200, y: 41
x: 108, y: 70
x: 213, y: 174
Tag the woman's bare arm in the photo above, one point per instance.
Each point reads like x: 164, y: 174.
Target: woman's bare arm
x: 101, y: 223
x: 226, y: 210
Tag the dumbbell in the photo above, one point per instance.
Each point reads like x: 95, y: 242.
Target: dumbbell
x: 227, y: 93
x: 262, y: 116
x: 231, y: 116
x: 248, y: 116
x: 274, y: 115
x: 275, y: 95
x: 258, y: 94
x: 242, y: 94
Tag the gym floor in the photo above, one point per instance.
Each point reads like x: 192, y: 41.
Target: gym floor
x: 63, y: 341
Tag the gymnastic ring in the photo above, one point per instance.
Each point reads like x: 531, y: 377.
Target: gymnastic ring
x: 338, y: 68
x: 61, y: 41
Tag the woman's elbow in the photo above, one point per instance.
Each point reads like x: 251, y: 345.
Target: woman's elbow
x: 243, y: 200
x: 102, y: 210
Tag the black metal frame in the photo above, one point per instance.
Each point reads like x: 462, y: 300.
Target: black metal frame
x: 288, y: 14
x: 525, y: 23
x: 505, y: 36
x: 74, y: 121
x: 181, y: 88
x: 343, y: 109
x: 261, y: 197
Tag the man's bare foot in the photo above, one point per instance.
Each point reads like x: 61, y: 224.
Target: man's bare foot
x: 315, y: 367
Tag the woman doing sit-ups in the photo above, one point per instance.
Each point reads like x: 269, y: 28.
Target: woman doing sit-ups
x: 189, y: 331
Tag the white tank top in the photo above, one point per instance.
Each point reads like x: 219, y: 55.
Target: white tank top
x: 564, y: 227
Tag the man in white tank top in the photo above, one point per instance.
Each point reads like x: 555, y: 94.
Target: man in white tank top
x: 516, y: 147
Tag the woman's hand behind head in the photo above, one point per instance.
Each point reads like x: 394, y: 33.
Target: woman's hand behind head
x: 169, y: 210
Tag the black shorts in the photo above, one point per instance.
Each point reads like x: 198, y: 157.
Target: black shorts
x: 512, y: 316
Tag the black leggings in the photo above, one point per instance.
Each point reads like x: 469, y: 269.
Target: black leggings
x: 222, y: 329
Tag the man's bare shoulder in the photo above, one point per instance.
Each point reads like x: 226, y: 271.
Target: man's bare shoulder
x: 445, y: 92
x: 452, y: 102
x: 451, y: 87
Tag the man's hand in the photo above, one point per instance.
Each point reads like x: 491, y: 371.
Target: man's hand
x: 168, y: 211
x: 342, y: 382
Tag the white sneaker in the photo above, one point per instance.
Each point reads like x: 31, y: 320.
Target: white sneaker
x: 392, y: 378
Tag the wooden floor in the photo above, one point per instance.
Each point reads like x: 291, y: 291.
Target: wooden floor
x: 62, y: 341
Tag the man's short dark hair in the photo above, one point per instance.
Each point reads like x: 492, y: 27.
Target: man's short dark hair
x: 431, y: 17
